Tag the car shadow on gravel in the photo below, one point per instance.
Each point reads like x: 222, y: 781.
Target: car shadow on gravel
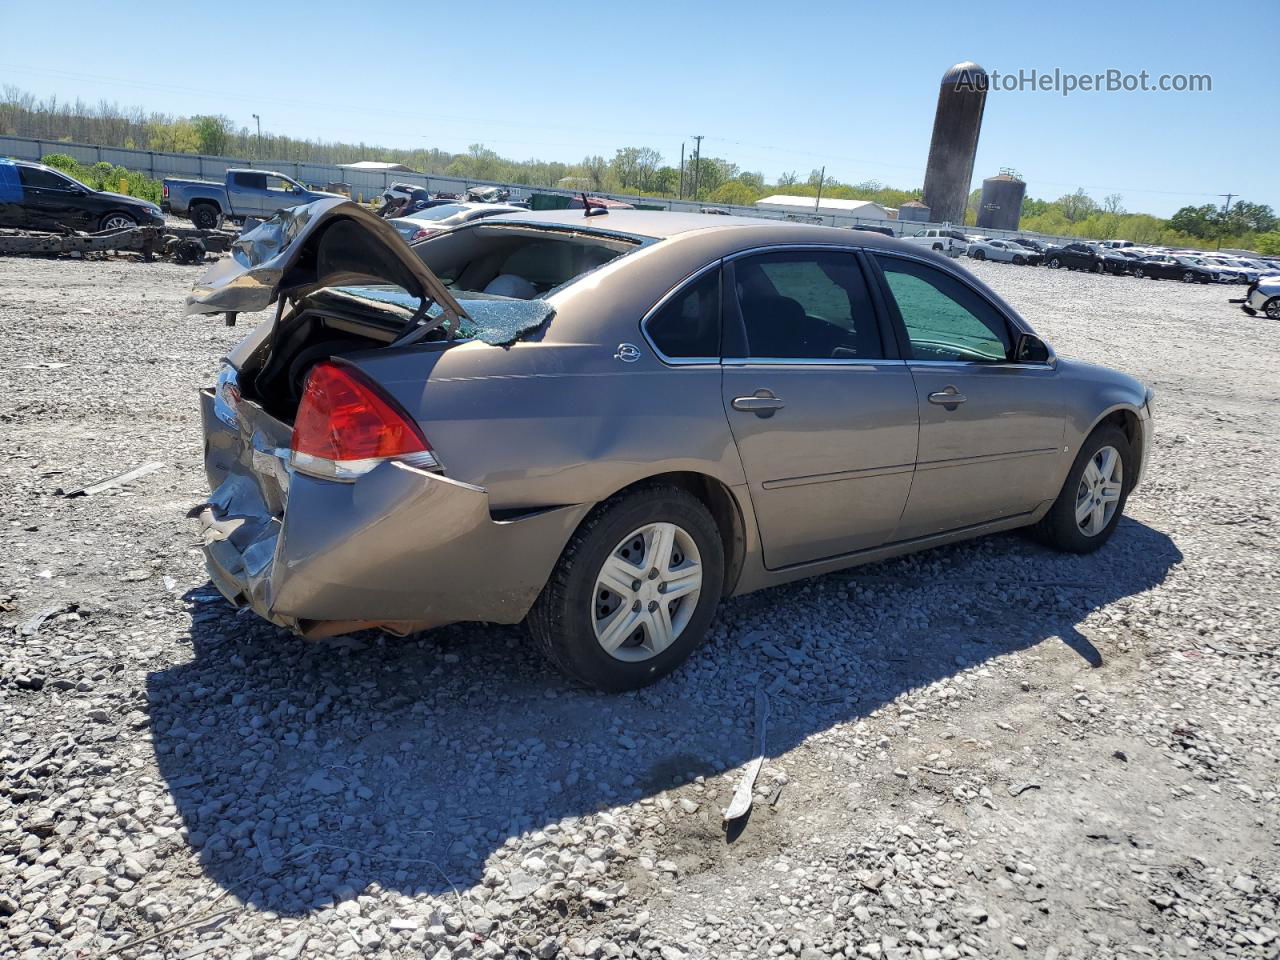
x: 304, y: 772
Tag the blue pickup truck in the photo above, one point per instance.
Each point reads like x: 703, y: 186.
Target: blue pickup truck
x: 246, y: 193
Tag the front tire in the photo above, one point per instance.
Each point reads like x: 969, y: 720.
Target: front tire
x: 634, y: 590
x: 1019, y: 260
x: 1272, y: 308
x: 1093, y: 497
x: 117, y: 221
x: 979, y: 255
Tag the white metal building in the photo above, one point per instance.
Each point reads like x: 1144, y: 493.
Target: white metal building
x: 377, y: 166
x: 828, y: 206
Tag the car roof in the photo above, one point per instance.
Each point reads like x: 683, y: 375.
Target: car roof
x: 663, y: 224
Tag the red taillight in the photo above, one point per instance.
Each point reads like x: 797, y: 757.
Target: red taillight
x: 421, y: 235
x: 346, y: 426
x: 165, y: 188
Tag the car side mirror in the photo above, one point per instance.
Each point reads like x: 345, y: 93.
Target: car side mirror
x: 1030, y: 349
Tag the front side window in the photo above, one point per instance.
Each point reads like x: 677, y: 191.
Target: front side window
x: 688, y: 325
x: 45, y: 179
x: 806, y: 305
x: 944, y: 318
x: 280, y: 185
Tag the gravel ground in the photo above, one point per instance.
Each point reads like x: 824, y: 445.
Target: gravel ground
x: 987, y: 750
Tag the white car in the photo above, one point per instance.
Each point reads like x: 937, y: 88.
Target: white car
x: 1262, y: 297
x: 424, y: 223
x: 1231, y: 270
x: 1005, y: 251
x: 945, y: 241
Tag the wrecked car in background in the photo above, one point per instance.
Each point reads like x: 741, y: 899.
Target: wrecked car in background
x: 603, y: 425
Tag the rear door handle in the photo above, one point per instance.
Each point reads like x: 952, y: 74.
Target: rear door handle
x: 762, y: 403
x: 947, y: 397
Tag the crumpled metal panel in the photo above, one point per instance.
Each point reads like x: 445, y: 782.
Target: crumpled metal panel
x: 288, y: 255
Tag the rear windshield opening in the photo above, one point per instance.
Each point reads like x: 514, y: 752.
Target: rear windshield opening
x: 517, y: 261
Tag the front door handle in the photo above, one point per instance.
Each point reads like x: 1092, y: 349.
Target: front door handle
x: 948, y: 397
x: 762, y: 403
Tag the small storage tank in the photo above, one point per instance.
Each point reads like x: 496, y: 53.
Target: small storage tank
x: 913, y: 210
x: 1001, y: 205
x: 962, y: 97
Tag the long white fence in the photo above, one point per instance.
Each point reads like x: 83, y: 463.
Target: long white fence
x: 369, y: 184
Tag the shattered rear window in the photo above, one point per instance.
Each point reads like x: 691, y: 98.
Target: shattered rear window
x: 497, y: 321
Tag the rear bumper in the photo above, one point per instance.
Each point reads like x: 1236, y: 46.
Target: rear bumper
x: 399, y: 548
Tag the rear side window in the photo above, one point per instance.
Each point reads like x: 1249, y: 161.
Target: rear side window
x: 35, y: 177
x: 806, y: 305
x: 250, y: 181
x: 945, y: 319
x: 688, y: 325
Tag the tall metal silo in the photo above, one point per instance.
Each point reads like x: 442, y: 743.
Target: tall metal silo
x: 961, y: 100
x: 1001, y: 205
x: 913, y: 210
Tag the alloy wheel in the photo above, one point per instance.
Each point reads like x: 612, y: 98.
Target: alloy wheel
x: 1098, y: 496
x: 117, y: 222
x: 1272, y: 308
x: 1188, y: 277
x: 646, y: 592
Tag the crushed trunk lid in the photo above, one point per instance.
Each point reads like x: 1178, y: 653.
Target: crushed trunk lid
x: 326, y: 243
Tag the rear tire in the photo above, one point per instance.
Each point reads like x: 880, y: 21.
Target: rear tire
x: 570, y: 622
x: 1060, y: 528
x: 979, y: 255
x: 205, y: 216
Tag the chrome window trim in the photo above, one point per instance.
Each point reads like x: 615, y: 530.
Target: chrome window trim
x: 795, y: 247
x: 811, y: 362
x: 1002, y: 364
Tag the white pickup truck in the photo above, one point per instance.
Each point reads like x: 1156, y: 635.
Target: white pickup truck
x: 944, y: 240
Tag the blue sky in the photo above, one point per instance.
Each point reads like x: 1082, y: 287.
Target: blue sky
x: 772, y: 86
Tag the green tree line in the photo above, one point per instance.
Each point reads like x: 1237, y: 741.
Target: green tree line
x: 633, y: 170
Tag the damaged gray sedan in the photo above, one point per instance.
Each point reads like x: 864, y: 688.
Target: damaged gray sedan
x: 601, y: 425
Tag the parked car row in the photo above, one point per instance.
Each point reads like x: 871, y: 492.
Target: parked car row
x: 1124, y: 258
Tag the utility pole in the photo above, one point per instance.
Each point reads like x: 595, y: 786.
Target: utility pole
x: 821, y: 179
x: 1226, y: 208
x: 697, y: 165
x: 682, y: 170
x: 258, y: 119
